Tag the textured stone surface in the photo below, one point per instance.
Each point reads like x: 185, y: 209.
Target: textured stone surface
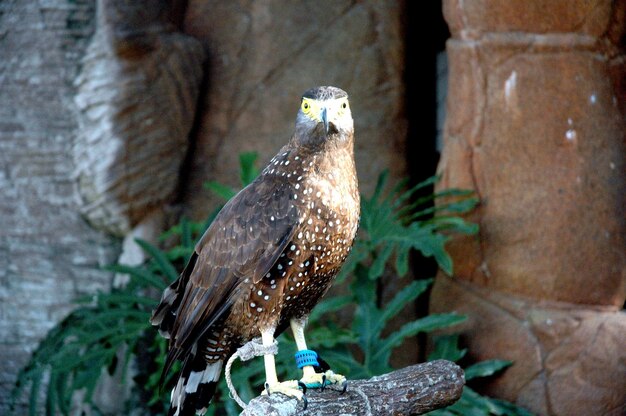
x: 48, y: 253
x: 536, y: 128
x: 541, y: 137
x: 92, y: 121
x: 548, y: 114
x: 567, y: 360
x: 587, y: 17
x: 264, y: 54
x: 137, y: 95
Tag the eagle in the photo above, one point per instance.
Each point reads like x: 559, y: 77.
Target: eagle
x: 267, y: 259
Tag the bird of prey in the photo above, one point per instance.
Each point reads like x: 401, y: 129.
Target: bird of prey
x: 267, y: 258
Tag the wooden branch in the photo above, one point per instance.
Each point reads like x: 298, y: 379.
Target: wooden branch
x: 413, y: 390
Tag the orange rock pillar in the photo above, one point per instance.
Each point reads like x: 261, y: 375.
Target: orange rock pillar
x: 536, y: 127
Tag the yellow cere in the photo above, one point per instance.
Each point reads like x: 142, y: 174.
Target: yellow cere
x: 313, y: 108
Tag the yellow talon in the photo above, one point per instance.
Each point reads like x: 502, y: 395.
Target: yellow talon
x: 288, y: 388
x: 321, y: 380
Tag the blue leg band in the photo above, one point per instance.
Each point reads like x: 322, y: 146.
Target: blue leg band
x: 306, y: 357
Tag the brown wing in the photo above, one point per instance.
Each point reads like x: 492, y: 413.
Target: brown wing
x: 244, y: 241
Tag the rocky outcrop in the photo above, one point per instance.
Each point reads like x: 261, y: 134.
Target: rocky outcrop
x: 96, y: 104
x: 137, y: 95
x: 49, y: 255
x: 536, y: 127
x: 264, y: 54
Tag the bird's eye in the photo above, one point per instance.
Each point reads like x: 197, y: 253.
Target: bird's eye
x: 344, y: 105
x: 305, y: 107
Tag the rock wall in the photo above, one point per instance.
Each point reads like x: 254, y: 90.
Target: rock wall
x: 536, y: 127
x: 136, y: 99
x: 96, y: 103
x: 48, y: 253
x: 264, y: 54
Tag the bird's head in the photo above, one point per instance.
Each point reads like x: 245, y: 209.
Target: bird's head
x: 324, y: 116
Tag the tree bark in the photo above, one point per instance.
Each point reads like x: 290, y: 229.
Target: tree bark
x: 413, y: 390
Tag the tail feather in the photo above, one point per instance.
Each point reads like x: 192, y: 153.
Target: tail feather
x: 165, y: 313
x: 195, y: 388
x: 198, y: 379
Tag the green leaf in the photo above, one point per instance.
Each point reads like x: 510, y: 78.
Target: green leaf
x: 429, y: 243
x: 179, y: 253
x: 328, y: 338
x: 223, y: 191
x: 486, y: 368
x: 142, y: 275
x: 177, y: 230
x: 358, y: 255
x: 401, y: 299
x: 501, y: 407
x: 426, y: 324
x: 447, y: 348
x: 186, y: 236
x: 378, y: 267
x: 406, y: 195
x: 126, y: 299
x: 34, y: 393
x: 51, y: 396
x: 471, y: 403
x: 64, y: 397
x: 366, y: 312
x: 363, y: 289
x: 247, y: 170
x: 454, y: 224
x: 402, y: 259
x: 441, y: 412
x: 164, y: 265
x: 329, y: 305
x: 380, y: 184
x: 343, y: 362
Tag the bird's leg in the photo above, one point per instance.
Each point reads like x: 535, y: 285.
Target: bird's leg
x: 272, y: 385
x: 309, y: 377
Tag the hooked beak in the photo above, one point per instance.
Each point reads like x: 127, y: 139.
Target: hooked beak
x: 325, y: 120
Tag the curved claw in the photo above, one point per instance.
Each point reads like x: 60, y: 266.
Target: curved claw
x: 303, y: 387
x: 305, y: 401
x: 267, y: 388
x: 323, y: 382
x: 345, y: 386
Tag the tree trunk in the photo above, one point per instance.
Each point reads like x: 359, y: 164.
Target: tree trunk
x: 414, y: 390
